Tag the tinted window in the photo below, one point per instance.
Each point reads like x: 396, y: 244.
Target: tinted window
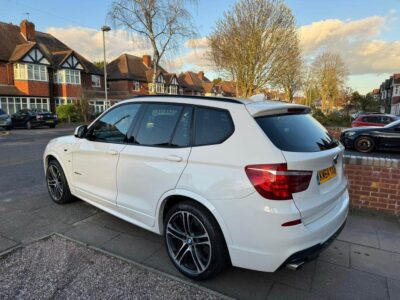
x: 114, y: 125
x: 372, y: 119
x: 296, y: 133
x: 182, y: 132
x: 213, y: 126
x: 2, y: 112
x: 158, y: 124
x: 386, y: 120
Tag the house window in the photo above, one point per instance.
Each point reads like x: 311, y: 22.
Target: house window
x: 96, y: 81
x: 173, y: 89
x: 64, y: 101
x: 136, y: 86
x: 12, y: 105
x: 30, y: 72
x: 160, y: 88
x: 67, y: 76
x: 397, y: 90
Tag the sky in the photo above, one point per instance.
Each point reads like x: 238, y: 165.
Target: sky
x: 366, y: 33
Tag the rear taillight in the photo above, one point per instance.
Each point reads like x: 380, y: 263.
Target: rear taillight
x: 276, y: 182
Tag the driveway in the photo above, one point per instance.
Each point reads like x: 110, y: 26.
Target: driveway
x: 363, y: 263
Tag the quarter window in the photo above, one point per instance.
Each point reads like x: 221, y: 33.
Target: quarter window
x: 114, y: 125
x: 213, y: 126
x: 158, y: 124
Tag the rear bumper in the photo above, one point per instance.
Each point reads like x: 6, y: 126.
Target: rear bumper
x: 259, y: 242
x: 312, y: 252
x: 44, y: 123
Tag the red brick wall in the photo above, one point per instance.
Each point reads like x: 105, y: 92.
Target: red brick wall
x: 373, y: 187
x: 67, y: 90
x: 124, y: 89
x: 3, y: 73
x: 34, y: 88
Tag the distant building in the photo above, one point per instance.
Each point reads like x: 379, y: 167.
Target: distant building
x: 39, y: 71
x: 390, y: 95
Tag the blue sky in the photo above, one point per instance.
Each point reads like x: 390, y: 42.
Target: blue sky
x: 363, y: 28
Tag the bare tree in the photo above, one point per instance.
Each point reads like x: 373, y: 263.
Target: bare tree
x: 165, y: 23
x: 329, y: 72
x: 289, y: 76
x: 309, y: 86
x: 250, y: 42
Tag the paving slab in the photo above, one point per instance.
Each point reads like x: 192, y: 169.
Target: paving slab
x: 280, y: 291
x: 366, y: 237
x: 389, y: 241
x: 337, y: 282
x: 57, y: 268
x: 337, y: 253
x: 394, y: 289
x: 300, y: 279
x: 241, y: 284
x: 91, y: 234
x: 375, y: 261
x: 6, y: 244
x: 134, y: 248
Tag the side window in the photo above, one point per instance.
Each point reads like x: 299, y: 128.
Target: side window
x: 213, y: 126
x: 158, y: 124
x: 114, y: 125
x: 385, y: 120
x: 182, y: 134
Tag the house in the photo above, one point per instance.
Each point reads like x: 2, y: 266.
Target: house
x: 192, y: 83
x: 130, y: 75
x: 39, y: 71
x: 395, y: 101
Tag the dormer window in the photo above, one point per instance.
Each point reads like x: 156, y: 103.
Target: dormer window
x: 33, y: 72
x: 66, y: 76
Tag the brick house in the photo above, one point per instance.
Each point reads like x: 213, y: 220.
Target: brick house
x: 39, y: 71
x: 389, y: 92
x: 130, y: 75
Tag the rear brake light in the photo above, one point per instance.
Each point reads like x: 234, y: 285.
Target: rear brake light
x: 298, y: 110
x: 276, y: 182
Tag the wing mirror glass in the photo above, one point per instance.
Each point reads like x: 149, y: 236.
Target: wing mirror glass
x: 81, y: 131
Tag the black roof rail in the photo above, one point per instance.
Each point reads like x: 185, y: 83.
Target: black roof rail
x: 221, y: 99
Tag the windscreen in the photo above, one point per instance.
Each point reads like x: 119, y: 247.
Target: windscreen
x: 296, y: 133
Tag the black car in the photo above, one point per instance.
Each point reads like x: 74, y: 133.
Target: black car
x: 366, y: 139
x: 29, y: 118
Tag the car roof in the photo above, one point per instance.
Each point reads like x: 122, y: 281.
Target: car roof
x: 255, y: 108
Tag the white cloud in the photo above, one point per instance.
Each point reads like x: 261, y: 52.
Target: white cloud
x: 357, y: 41
x: 197, y: 43
x: 89, y: 42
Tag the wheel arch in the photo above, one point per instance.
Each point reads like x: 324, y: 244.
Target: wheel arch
x: 175, y: 196
x: 53, y: 156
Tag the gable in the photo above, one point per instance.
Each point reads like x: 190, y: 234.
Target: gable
x: 35, y: 56
x: 72, y: 63
x: 160, y: 79
x: 174, y: 81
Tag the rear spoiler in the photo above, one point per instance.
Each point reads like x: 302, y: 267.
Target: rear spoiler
x: 296, y: 110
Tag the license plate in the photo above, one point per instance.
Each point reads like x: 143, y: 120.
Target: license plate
x: 326, y: 174
x: 49, y: 121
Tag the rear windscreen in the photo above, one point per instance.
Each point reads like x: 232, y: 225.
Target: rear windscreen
x: 296, y: 133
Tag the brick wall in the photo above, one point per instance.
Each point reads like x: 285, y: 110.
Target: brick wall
x: 34, y: 88
x: 375, y: 186
x: 67, y: 90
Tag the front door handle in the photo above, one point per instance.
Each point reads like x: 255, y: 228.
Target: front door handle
x: 173, y: 158
x: 113, y: 152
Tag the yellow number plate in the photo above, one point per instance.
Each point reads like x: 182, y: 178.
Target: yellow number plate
x: 326, y: 174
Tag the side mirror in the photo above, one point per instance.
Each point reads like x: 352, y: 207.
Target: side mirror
x: 81, y: 131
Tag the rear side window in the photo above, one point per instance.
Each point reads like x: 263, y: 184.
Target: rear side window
x: 158, y: 124
x: 296, y: 133
x: 182, y: 134
x: 213, y: 126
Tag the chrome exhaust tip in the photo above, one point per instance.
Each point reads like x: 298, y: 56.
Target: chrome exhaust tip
x: 295, y: 266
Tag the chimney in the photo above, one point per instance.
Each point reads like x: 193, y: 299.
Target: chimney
x: 147, y: 60
x: 28, y: 30
x: 201, y: 75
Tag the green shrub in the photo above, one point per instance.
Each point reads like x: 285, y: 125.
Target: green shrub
x: 68, y: 113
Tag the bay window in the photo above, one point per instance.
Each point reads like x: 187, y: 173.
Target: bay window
x: 34, y: 72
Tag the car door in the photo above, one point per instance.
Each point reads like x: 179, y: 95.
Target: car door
x: 152, y: 164
x: 390, y: 138
x: 18, y: 119
x: 95, y: 157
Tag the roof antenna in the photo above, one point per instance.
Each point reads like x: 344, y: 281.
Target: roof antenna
x: 27, y: 15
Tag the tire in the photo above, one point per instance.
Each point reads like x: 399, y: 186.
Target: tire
x: 28, y: 125
x: 198, y: 251
x: 57, y: 184
x: 8, y: 127
x: 364, y: 144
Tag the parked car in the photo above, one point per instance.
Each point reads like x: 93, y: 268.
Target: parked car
x: 373, y: 120
x: 5, y: 120
x: 367, y: 139
x: 259, y: 185
x: 30, y: 118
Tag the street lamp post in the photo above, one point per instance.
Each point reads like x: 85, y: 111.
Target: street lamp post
x: 105, y: 29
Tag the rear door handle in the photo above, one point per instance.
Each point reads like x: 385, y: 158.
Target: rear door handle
x: 113, y: 152
x: 173, y: 158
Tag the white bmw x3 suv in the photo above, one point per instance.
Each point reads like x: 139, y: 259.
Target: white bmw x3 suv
x: 259, y: 185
